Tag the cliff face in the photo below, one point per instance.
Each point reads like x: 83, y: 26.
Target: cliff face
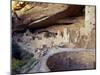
x: 45, y: 29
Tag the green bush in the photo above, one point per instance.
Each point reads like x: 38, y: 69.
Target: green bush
x: 16, y: 64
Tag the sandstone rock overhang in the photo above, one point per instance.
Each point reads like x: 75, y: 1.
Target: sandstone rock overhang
x: 39, y: 17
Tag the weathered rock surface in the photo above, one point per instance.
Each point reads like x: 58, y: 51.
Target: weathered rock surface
x: 38, y: 16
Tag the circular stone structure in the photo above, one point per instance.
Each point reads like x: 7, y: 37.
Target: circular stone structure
x: 72, y: 60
